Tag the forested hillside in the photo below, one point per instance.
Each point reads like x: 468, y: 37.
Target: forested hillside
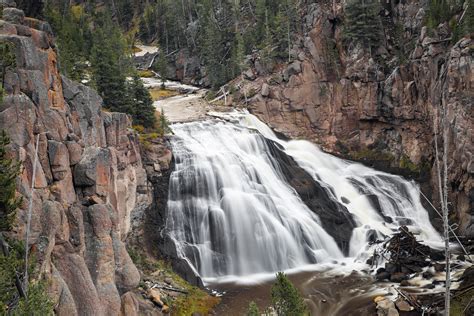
x: 219, y: 33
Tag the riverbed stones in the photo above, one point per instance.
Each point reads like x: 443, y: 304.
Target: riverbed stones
x: 385, y: 307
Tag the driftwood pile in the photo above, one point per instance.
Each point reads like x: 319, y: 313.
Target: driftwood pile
x: 405, y: 256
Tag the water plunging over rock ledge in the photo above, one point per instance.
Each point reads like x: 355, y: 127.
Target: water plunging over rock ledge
x: 242, y: 202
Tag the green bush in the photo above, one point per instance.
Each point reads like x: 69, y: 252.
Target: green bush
x: 286, y: 299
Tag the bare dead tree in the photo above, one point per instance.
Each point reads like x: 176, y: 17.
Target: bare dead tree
x: 442, y: 175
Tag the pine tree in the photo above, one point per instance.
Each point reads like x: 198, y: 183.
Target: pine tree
x: 280, y: 34
x: 468, y: 23
x: 438, y: 12
x: 164, y: 124
x: 9, y: 171
x: 285, y: 297
x: 212, y: 46
x: 108, y: 74
x: 253, y: 309
x: 143, y: 111
x: 161, y: 65
x: 7, y: 60
x: 363, y: 23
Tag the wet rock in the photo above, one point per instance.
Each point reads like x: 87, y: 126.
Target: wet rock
x: 385, y: 307
x: 467, y: 279
x: 334, y: 216
x: 403, y: 305
x: 427, y: 275
x: 405, y: 283
x: 398, y: 277
x: 439, y: 267
x: 382, y: 276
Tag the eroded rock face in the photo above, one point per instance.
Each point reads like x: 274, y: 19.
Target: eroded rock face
x: 379, y: 113
x: 88, y: 171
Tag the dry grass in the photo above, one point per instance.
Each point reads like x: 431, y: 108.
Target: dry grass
x: 195, y: 301
x: 146, y: 73
x: 160, y: 94
x: 136, y: 49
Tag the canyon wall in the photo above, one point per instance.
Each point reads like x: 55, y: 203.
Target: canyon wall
x: 377, y: 107
x: 89, y: 180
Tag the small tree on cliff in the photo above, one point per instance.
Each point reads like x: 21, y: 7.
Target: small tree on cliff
x: 362, y: 23
x: 14, y: 300
x: 7, y: 60
x: 286, y: 299
x: 9, y: 171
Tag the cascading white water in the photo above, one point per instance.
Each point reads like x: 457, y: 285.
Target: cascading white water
x: 231, y: 212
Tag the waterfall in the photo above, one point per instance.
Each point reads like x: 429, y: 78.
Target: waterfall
x: 236, y: 208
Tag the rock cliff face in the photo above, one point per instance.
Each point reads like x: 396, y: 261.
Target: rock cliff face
x: 379, y: 109
x: 89, y: 176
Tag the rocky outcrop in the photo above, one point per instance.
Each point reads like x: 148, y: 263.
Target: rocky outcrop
x: 89, y: 176
x: 378, y: 108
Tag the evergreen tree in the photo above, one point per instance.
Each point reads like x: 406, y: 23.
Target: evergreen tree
x: 213, y: 50
x: 161, y: 65
x: 9, y: 171
x: 363, y: 23
x: 468, y: 23
x: 31, y: 8
x: 12, y: 297
x: 438, y: 11
x: 253, y: 309
x: 143, y: 111
x: 164, y: 124
x: 108, y: 74
x: 148, y: 24
x: 281, y: 31
x: 7, y: 60
x: 285, y: 297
